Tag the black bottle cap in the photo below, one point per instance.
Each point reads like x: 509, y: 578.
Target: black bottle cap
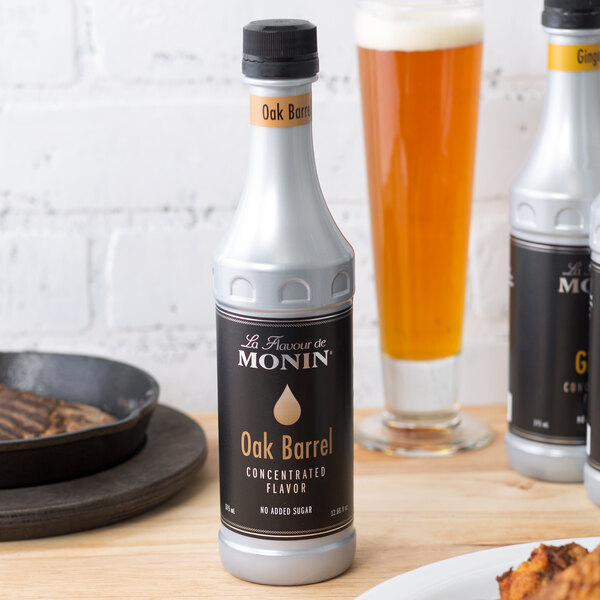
x: 571, y: 14
x: 280, y: 49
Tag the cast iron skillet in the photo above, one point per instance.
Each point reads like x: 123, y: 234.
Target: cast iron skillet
x: 126, y: 392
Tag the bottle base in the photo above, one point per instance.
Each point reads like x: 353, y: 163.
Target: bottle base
x: 548, y: 462
x: 591, y: 479
x: 287, y: 562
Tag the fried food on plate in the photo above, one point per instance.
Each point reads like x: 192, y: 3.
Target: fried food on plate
x: 533, y: 575
x: 581, y: 581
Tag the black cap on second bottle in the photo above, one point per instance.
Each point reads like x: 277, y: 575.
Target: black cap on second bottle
x: 571, y: 14
x: 280, y: 49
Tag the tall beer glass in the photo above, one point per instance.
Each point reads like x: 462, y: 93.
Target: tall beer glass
x: 420, y: 67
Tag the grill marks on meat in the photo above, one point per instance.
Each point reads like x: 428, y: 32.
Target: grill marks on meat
x: 24, y: 415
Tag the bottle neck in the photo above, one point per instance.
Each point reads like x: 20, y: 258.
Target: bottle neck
x: 283, y: 252
x: 573, y: 78
x: 281, y: 145
x: 552, y: 194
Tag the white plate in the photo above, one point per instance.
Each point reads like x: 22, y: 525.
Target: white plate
x: 468, y: 577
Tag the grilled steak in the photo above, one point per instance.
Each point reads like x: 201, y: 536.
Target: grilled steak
x: 24, y: 415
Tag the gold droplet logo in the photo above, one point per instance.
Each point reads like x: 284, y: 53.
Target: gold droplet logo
x: 287, y: 409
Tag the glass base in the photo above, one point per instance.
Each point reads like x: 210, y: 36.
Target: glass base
x: 421, y: 389
x: 465, y: 432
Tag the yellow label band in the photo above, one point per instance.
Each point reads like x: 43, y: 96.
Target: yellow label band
x: 286, y: 111
x: 585, y: 57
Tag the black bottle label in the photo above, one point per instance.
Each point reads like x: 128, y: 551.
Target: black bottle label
x: 285, y: 424
x: 549, y: 320
x: 593, y: 438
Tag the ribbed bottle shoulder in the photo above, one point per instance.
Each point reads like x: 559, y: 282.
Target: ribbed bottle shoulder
x: 298, y: 273
x: 551, y: 198
x: 595, y: 230
x: 550, y: 217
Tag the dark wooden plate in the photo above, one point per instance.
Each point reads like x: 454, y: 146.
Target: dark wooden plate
x: 124, y: 391
x: 174, y: 450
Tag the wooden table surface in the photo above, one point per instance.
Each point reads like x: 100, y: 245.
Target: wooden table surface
x: 409, y: 512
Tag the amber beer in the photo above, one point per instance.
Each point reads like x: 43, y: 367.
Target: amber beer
x: 420, y: 68
x: 420, y: 119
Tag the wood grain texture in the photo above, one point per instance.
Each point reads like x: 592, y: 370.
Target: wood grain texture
x: 409, y: 512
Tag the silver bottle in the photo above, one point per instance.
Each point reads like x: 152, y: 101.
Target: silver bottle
x: 549, y: 214
x: 284, y: 269
x: 591, y: 473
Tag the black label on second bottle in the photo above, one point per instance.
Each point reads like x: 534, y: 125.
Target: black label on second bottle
x: 285, y: 424
x: 594, y: 377
x: 549, y: 319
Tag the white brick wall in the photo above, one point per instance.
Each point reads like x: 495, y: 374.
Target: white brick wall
x: 37, y: 45
x: 52, y: 267
x: 123, y: 146
x: 156, y: 280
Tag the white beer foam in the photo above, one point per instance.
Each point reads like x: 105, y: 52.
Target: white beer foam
x: 385, y: 25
